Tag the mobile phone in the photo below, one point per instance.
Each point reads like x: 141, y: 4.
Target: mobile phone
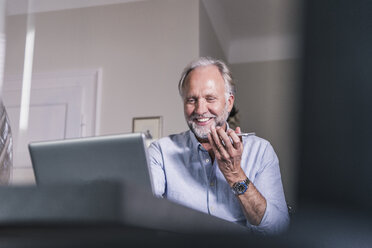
x: 245, y: 134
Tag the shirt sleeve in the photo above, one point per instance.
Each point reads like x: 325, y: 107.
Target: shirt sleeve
x: 269, y: 184
x: 156, y: 165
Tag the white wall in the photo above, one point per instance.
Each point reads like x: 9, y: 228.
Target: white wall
x: 208, y: 41
x: 141, y: 47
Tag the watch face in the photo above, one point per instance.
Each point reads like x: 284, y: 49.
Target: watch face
x: 240, y: 188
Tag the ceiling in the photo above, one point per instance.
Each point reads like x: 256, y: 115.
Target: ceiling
x: 256, y: 30
x: 248, y: 30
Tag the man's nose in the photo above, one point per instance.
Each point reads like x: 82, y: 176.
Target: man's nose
x: 201, y: 107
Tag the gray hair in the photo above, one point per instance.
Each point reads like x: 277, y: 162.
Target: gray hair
x: 205, y: 61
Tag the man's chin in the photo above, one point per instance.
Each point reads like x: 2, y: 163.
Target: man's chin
x: 200, y: 134
x: 202, y: 131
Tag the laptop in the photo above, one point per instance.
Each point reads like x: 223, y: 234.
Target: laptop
x: 120, y: 158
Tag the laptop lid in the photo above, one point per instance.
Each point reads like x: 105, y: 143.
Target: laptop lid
x: 120, y: 157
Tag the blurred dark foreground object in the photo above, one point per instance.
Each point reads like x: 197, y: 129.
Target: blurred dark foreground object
x: 335, y: 158
x: 105, y: 214
x: 103, y: 202
x: 6, y: 147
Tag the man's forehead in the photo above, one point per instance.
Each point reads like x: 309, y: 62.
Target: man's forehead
x: 202, y: 93
x: 204, y: 74
x: 205, y: 70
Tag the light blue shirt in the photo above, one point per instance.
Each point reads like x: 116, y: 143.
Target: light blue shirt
x: 182, y: 171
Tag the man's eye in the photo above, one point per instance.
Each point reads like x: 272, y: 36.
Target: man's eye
x: 211, y: 99
x: 190, y: 100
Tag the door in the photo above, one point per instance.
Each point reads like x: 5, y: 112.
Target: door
x: 62, y: 105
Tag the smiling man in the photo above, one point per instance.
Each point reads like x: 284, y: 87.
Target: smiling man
x: 210, y: 168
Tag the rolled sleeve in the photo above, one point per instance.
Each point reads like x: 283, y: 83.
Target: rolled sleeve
x: 157, y: 169
x: 268, y: 182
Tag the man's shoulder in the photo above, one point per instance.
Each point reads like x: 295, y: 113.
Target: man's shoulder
x: 170, y: 145
x: 257, y: 144
x: 253, y: 139
x: 261, y: 147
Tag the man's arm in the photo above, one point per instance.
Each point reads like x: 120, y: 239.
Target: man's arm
x: 228, y: 157
x: 263, y: 203
x: 157, y: 169
x: 253, y: 204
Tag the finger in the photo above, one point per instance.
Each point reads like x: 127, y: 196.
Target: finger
x: 237, y: 142
x: 218, y: 142
x: 237, y: 130
x: 212, y: 140
x: 234, y: 137
x: 214, y: 146
x: 228, y: 144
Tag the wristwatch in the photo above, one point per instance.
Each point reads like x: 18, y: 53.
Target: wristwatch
x: 239, y: 188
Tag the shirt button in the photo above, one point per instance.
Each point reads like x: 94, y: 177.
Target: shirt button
x: 212, y: 184
x: 207, y: 160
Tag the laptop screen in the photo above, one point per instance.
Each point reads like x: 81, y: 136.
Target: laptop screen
x: 120, y: 158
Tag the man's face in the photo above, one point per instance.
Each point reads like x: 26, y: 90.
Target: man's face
x: 205, y: 104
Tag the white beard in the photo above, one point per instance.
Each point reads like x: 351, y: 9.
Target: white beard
x: 202, y: 132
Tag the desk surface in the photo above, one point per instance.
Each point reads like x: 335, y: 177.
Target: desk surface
x: 104, y: 203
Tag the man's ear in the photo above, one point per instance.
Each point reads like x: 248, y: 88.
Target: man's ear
x: 230, y: 102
